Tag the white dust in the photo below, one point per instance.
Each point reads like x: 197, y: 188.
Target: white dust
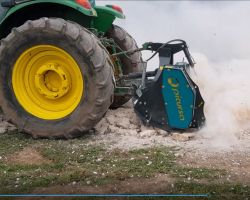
x: 225, y: 89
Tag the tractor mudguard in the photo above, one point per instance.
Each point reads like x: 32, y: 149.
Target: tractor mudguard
x: 32, y: 10
x: 106, y: 16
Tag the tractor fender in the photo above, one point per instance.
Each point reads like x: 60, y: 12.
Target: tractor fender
x: 68, y: 10
x: 106, y: 16
x: 109, y: 10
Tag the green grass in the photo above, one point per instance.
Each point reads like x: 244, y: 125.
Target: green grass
x: 85, y: 160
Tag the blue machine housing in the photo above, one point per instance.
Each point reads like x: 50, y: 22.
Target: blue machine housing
x: 178, y: 97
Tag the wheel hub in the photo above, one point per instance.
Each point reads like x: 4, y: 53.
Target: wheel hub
x: 52, y: 81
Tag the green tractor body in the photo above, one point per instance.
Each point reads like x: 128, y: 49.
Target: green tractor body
x: 18, y: 12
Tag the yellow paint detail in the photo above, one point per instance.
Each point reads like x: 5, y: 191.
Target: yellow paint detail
x: 200, y: 104
x: 161, y: 67
x: 47, y: 82
x: 94, y: 12
x: 113, y: 60
x: 170, y: 81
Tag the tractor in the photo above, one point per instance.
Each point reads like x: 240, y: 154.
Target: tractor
x: 64, y: 63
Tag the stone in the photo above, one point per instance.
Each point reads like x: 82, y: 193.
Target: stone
x: 161, y: 132
x: 103, y: 129
x: 111, y: 120
x: 100, y: 123
x: 131, y: 132
x: 190, y: 135
x: 132, y: 126
x: 121, y: 115
x: 102, y: 126
x: 113, y: 129
x: 135, y: 120
x: 145, y: 128
x: 147, y: 133
x: 3, y: 129
x: 12, y: 128
x: 123, y: 123
x: 4, y: 124
x: 180, y: 137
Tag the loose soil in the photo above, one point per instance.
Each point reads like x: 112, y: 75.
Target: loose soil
x: 27, y: 156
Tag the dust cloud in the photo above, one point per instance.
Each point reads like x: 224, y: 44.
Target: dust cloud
x: 225, y: 89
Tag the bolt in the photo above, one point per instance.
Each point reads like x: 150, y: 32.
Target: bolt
x: 163, y: 86
x: 146, y: 116
x: 162, y: 118
x: 187, y: 86
x: 168, y: 70
x: 166, y: 104
x: 191, y: 106
x: 145, y: 103
x: 162, y: 123
x: 140, y: 103
x: 146, y: 111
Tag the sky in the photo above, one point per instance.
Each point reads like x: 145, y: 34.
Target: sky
x: 218, y: 36
x: 218, y: 29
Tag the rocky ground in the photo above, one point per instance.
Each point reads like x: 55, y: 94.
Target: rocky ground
x: 123, y: 130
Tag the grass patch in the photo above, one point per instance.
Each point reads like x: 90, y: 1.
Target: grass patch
x: 88, y: 162
x: 198, y: 173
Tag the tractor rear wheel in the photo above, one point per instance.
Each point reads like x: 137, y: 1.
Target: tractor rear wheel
x: 126, y: 42
x: 57, y: 80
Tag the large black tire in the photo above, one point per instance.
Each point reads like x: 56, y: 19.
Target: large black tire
x: 125, y: 42
x: 94, y: 64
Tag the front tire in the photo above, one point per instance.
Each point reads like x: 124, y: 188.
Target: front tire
x: 57, y: 80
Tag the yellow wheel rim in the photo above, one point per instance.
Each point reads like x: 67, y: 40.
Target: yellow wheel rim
x: 47, y: 82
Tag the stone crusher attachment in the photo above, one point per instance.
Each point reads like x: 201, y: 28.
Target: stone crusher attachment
x: 171, y: 100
